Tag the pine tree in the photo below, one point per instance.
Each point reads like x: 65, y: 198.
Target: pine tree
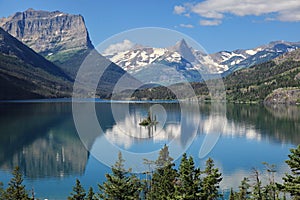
x: 210, y: 182
x: 78, y: 192
x: 1, y: 191
x: 16, y: 190
x: 292, y: 181
x: 270, y: 191
x: 121, y: 184
x: 163, y: 183
x: 188, y: 184
x: 244, y: 189
x: 164, y: 177
x: 164, y: 158
x: 257, y: 193
x: 90, y: 195
x: 232, y: 194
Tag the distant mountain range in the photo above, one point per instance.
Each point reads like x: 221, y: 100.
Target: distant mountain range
x: 41, y: 53
x: 186, y: 60
x: 180, y: 62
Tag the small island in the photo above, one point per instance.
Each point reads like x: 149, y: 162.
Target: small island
x: 149, y: 121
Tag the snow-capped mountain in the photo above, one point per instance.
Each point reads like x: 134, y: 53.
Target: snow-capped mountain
x: 239, y: 59
x: 179, y: 62
x: 184, y: 62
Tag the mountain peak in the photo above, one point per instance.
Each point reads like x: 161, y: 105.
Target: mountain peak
x: 29, y: 10
x: 184, y: 50
x: 66, y: 33
x: 181, y: 43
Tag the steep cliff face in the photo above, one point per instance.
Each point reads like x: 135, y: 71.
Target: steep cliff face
x: 61, y: 38
x: 48, y: 32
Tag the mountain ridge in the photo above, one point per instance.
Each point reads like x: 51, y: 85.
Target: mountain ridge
x: 223, y: 62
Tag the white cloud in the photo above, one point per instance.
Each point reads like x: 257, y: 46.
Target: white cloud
x: 283, y: 10
x: 118, y: 47
x: 179, y: 10
x: 214, y: 22
x: 186, y: 25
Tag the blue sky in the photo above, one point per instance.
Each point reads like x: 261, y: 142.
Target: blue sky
x: 215, y: 24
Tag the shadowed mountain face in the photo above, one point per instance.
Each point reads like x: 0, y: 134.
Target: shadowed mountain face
x: 25, y: 74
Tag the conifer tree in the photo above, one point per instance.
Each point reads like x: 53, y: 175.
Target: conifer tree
x: 257, y: 193
x: 78, y: 192
x: 232, y: 194
x: 16, y: 190
x: 210, y: 182
x: 292, y: 181
x: 188, y: 183
x: 164, y: 177
x: 90, y: 195
x: 164, y: 158
x: 1, y: 191
x: 121, y: 184
x: 244, y: 189
x: 270, y: 190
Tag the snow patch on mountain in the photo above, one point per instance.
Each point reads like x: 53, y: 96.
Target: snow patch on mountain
x: 251, y: 52
x: 185, y: 60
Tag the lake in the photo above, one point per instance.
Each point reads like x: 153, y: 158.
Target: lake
x: 53, y: 150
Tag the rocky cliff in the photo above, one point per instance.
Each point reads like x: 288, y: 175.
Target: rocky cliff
x: 61, y: 38
x: 48, y: 32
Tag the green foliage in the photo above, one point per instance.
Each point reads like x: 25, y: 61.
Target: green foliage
x: 164, y: 159
x: 90, y: 195
x: 188, y: 183
x: 121, y: 184
x: 232, y: 194
x: 210, y: 182
x: 78, y: 192
x: 292, y: 181
x: 1, y: 191
x: 257, y: 187
x: 244, y: 192
x: 16, y: 190
x: 270, y: 191
x: 149, y: 121
x: 256, y: 83
x: 162, y: 185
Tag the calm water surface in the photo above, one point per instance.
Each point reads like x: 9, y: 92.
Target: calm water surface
x: 41, y: 138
